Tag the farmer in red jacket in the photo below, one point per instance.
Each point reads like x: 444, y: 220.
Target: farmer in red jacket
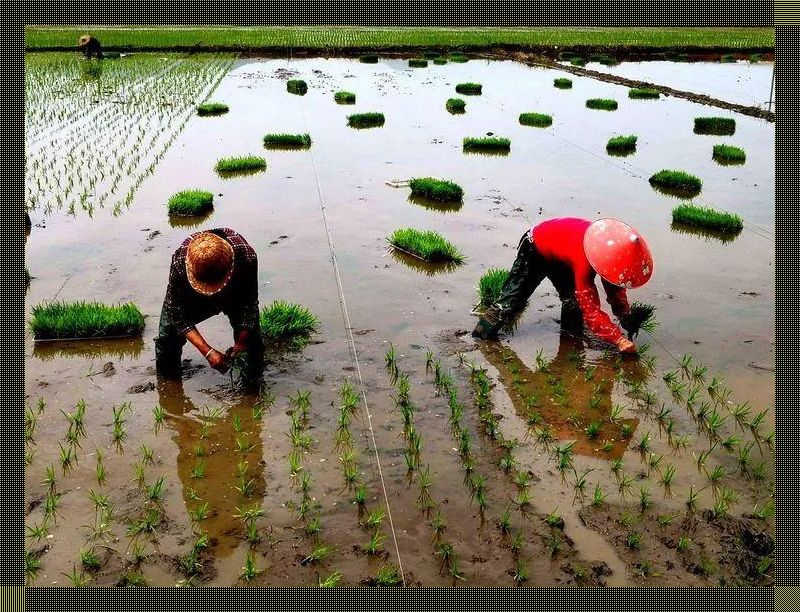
x: 570, y: 252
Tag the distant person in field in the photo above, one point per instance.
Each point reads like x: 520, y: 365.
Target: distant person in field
x: 90, y: 46
x: 571, y: 252
x: 213, y: 271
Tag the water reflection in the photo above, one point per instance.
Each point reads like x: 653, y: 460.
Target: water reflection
x: 118, y: 349
x: 436, y: 205
x: 217, y: 443
x: 705, y: 233
x: 420, y: 265
x: 189, y: 221
x: 569, y: 393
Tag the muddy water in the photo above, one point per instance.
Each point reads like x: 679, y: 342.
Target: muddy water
x: 714, y: 299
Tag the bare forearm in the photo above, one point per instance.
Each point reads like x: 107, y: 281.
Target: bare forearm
x: 198, y: 341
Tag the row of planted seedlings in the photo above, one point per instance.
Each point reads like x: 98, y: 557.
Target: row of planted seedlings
x: 444, y: 549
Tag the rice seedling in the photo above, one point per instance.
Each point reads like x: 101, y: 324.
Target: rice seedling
x: 653, y: 463
x: 507, y: 463
x: 643, y: 94
x: 755, y: 423
x: 77, y: 578
x: 287, y: 141
x: 155, y: 492
x: 633, y: 540
x: 553, y: 544
x: 487, y: 144
x: 439, y: 61
x: 66, y: 457
x: 769, y: 440
x: 625, y: 483
x: 32, y: 566
x: 212, y: 109
x: 644, y: 444
x: 456, y: 106
x: 580, y: 482
x: 139, y: 474
x: 523, y: 500
x: 554, y: 519
x: 716, y: 126
x: 764, y: 512
x: 521, y: 572
x: 243, y: 164
x: 375, y: 544
x: 683, y: 544
x: 368, y: 59
x: 469, y: 89
x: 692, y: 499
x: 199, y: 469
x: 676, y: 182
x: 616, y: 465
x: 427, y: 245
x: 667, y: 477
x: 577, y: 61
x: 90, y: 560
x: 250, y: 570
x: 387, y: 575
x: 544, y: 435
x: 703, y: 456
x: 297, y: 86
x: 344, y: 97
x: 504, y: 523
x: 373, y: 518
x: 515, y: 543
x: 593, y: 429
x: 417, y: 63
x: 191, y: 202
x: 49, y: 480
x: 331, y: 581
x: 621, y: 144
x: 707, y: 217
x: 37, y: 531
x: 319, y: 553
x: 536, y: 120
x: 366, y: 120
x: 599, y: 496
x: 51, y: 502
x: 626, y: 431
x: 288, y: 324
x: 562, y: 83
x: 602, y: 104
x: 715, y: 476
x: 436, y: 189
x: 158, y: 417
x: 85, y: 320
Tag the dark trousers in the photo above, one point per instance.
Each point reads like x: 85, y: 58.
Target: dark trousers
x: 169, y: 346
x: 530, y: 268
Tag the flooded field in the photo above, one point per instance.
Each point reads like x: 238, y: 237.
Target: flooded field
x: 665, y: 475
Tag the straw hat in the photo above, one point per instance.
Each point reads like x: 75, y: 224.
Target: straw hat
x: 84, y: 40
x: 209, y: 263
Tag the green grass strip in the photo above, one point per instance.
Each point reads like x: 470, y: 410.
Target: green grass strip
x: 562, y: 83
x: 536, y: 119
x: 436, y: 189
x: 428, y: 245
x: 602, y: 104
x: 469, y: 89
x: 491, y: 285
x: 716, y: 126
x: 191, y: 202
x: 728, y: 154
x: 212, y: 109
x: 366, y: 120
x: 643, y: 94
x: 708, y: 218
x: 287, y: 141
x: 622, y: 143
x: 487, y: 143
x: 677, y: 180
x: 241, y: 164
x: 85, y: 320
x: 284, y: 322
x: 344, y: 97
x: 456, y: 105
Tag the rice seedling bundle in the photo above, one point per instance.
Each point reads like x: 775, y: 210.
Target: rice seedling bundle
x: 436, y: 189
x: 191, y: 202
x: 716, y: 126
x: 212, y: 109
x: 677, y: 181
x: 425, y: 244
x: 366, y: 120
x: 85, y: 320
x: 705, y: 217
x: 536, y: 119
x: 469, y: 89
x: 287, y: 141
x: 602, y: 104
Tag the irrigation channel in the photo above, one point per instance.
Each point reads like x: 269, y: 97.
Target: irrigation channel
x: 668, y: 482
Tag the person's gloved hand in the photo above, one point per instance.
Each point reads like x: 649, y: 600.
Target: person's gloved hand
x: 626, y: 347
x: 484, y: 330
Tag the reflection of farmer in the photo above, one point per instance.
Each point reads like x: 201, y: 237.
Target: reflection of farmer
x: 90, y: 46
x: 216, y: 450
x: 570, y: 252
x: 212, y: 271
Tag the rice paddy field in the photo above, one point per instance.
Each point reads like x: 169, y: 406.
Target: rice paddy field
x: 388, y: 447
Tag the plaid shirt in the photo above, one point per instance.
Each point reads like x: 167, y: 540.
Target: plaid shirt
x: 184, y: 307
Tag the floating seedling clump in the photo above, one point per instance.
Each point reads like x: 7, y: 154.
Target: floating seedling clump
x: 368, y: 59
x: 705, y: 217
x: 286, y: 323
x: 536, y: 119
x: 344, y: 97
x: 85, y: 320
x: 562, y: 83
x: 425, y: 244
x: 191, y: 202
x: 490, y: 144
x: 577, y: 61
x: 436, y: 189
x: 491, y: 285
x: 241, y: 165
x: 458, y: 58
x: 211, y: 109
x: 297, y: 87
x: 469, y: 89
x: 676, y: 182
x: 456, y: 106
x: 418, y: 63
x: 440, y: 61
x: 366, y: 120
x: 605, y: 104
x: 644, y: 94
x: 287, y: 141
x: 621, y: 145
x: 728, y: 155
x: 716, y: 126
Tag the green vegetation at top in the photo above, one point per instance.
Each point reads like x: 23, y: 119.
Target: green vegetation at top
x: 602, y: 104
x: 344, y: 97
x: 216, y: 38
x: 716, y: 126
x: 366, y: 120
x: 297, y: 86
x: 490, y: 286
x: 726, y: 154
x: 418, y: 63
x: 286, y: 323
x: 705, y: 217
x: 562, y: 83
x: 191, y: 202
x: 456, y: 106
x: 427, y: 245
x: 85, y: 320
x: 241, y: 164
x: 436, y: 189
x: 488, y: 143
x: 677, y: 182
x: 469, y: 89
x: 287, y: 141
x: 643, y: 94
x: 536, y: 119
x: 212, y: 108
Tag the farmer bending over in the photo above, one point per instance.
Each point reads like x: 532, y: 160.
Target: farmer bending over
x: 90, y: 46
x: 212, y: 271
x: 570, y: 252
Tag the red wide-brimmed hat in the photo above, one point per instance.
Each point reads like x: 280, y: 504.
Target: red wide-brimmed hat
x: 618, y: 253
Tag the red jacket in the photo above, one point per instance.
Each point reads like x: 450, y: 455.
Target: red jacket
x: 560, y: 242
